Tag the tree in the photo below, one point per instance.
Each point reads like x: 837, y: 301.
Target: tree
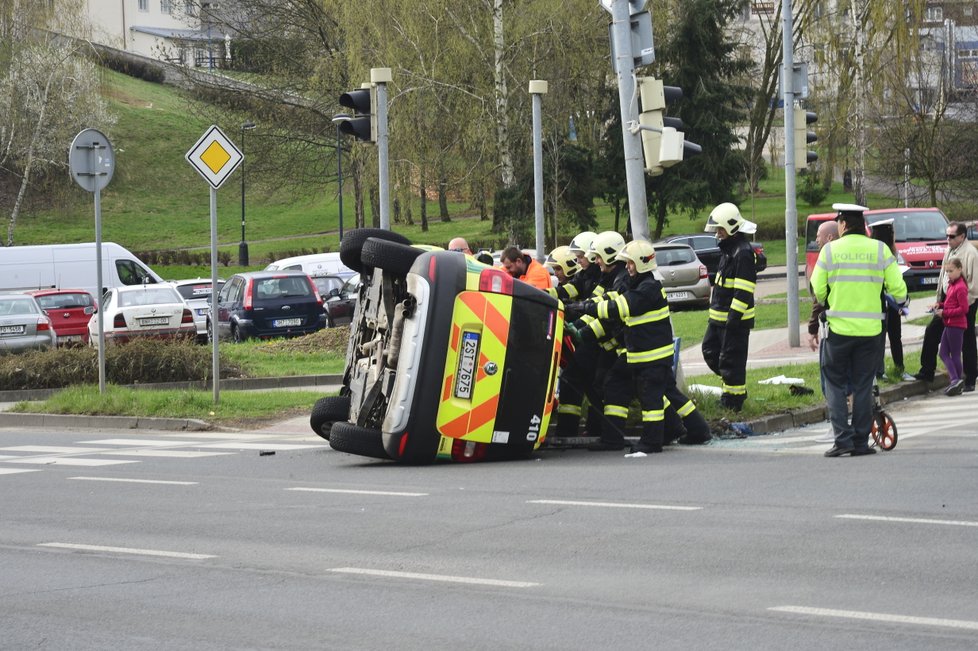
x: 46, y: 98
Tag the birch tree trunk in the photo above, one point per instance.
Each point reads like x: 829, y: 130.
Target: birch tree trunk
x: 507, y: 174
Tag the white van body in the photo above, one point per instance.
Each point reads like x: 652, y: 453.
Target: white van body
x: 70, y: 266
x: 317, y: 264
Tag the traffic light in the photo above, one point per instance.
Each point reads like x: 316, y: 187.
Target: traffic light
x: 362, y: 125
x: 803, y: 138
x: 663, y: 144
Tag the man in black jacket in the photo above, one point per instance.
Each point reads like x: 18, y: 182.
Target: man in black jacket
x: 731, y: 315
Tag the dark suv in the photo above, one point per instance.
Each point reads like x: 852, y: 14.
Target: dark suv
x: 267, y: 304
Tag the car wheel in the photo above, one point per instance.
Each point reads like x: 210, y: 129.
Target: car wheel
x: 347, y: 437
x: 352, y: 244
x: 327, y: 411
x: 236, y: 335
x: 389, y: 256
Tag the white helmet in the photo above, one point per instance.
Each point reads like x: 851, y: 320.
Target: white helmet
x: 563, y: 257
x: 728, y: 217
x: 640, y: 252
x: 581, y: 242
x: 606, y: 244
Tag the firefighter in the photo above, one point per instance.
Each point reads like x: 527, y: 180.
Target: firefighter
x: 564, y: 266
x: 587, y: 278
x: 731, y: 316
x: 645, y: 370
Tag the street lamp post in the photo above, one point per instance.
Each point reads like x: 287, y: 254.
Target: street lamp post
x: 243, y: 247
x: 339, y: 119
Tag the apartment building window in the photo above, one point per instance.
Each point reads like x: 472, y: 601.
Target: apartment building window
x: 934, y: 14
x: 190, y: 7
x: 166, y: 6
x: 144, y: 5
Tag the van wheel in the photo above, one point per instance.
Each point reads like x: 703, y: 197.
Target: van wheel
x: 352, y: 244
x: 327, y: 411
x: 367, y: 442
x: 389, y: 256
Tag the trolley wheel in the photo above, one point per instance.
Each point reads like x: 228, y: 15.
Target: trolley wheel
x: 884, y: 431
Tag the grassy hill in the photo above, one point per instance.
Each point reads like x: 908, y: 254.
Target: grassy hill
x: 157, y: 201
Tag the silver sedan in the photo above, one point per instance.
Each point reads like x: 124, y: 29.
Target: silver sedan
x: 23, y: 325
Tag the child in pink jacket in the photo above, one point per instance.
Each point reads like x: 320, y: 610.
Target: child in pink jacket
x: 953, y: 310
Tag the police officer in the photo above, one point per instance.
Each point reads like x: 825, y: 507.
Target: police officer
x: 645, y: 369
x: 849, y: 278
x: 731, y: 315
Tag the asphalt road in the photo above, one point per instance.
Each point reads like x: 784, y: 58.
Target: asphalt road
x: 157, y: 540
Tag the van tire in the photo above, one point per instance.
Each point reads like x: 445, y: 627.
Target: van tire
x: 326, y: 412
x: 352, y: 244
x: 364, y: 441
x: 389, y: 256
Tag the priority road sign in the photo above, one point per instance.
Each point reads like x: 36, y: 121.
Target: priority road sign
x: 214, y: 156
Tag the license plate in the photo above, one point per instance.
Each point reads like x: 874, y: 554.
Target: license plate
x: 465, y: 374
x: 12, y: 330
x: 286, y: 323
x: 677, y: 296
x: 155, y: 321
x: 928, y: 280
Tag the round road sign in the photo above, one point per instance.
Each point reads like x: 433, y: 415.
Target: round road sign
x: 91, y: 160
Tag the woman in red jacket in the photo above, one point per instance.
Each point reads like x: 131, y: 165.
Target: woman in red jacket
x: 953, y: 311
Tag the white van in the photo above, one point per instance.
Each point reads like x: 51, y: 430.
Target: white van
x: 317, y: 264
x: 70, y: 266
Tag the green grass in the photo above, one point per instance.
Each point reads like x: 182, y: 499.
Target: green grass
x: 275, y: 359
x: 233, y: 406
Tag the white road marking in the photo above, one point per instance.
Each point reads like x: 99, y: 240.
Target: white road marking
x: 356, y: 492
x: 444, y: 578
x: 15, y: 471
x: 878, y: 617
x: 234, y: 436
x: 281, y: 447
x: 618, y: 505
x: 127, y: 550
x: 172, y: 454
x: 881, y: 518
x: 68, y: 461
x: 134, y: 481
x: 52, y: 449
x: 143, y: 442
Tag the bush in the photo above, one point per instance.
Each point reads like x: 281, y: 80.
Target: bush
x: 132, y: 67
x: 141, y: 361
x: 812, y: 190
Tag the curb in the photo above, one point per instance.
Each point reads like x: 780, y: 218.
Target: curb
x: 70, y: 421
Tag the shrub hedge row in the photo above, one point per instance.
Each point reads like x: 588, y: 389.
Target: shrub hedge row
x: 136, y: 362
x: 165, y: 257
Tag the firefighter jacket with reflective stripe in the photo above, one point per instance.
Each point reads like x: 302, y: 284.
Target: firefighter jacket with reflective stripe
x: 611, y: 284
x: 644, y: 312
x: 579, y: 287
x: 849, y: 280
x: 732, y: 303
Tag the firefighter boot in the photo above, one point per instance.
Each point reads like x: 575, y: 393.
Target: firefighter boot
x: 697, y: 429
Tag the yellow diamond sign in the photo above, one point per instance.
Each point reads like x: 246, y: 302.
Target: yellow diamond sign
x: 214, y: 156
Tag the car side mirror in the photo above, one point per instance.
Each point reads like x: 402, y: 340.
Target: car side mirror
x: 334, y: 292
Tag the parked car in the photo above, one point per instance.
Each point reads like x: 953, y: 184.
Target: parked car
x: 316, y: 264
x: 683, y: 275
x: 448, y: 358
x: 339, y: 307
x: 155, y: 311
x: 23, y: 325
x: 69, y: 311
x: 197, y: 294
x: 708, y: 251
x: 266, y: 304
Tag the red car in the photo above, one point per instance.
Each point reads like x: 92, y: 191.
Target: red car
x: 69, y: 311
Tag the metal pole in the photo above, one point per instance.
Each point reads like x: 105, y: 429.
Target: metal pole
x: 380, y: 77
x: 790, y: 209
x: 215, y: 357
x: 339, y: 175
x: 243, y: 246
x: 632, y: 142
x: 906, y: 178
x: 537, y: 90
x: 98, y: 279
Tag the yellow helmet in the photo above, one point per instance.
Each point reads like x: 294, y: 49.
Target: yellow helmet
x: 727, y: 216
x: 640, y: 252
x: 563, y: 257
x: 581, y: 242
x: 606, y: 244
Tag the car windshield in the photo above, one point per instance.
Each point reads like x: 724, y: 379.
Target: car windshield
x: 326, y: 284
x: 351, y: 285
x: 196, y: 290
x: 14, y: 306
x: 65, y: 301
x: 281, y: 287
x: 921, y: 226
x: 149, y: 296
x: 672, y: 257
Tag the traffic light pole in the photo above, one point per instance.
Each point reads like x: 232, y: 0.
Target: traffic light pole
x: 790, y: 209
x: 632, y: 142
x: 381, y: 77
